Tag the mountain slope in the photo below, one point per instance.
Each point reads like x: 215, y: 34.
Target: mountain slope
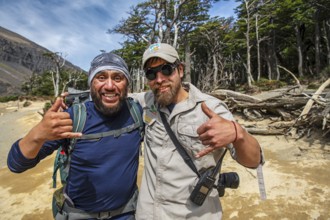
x: 19, y: 58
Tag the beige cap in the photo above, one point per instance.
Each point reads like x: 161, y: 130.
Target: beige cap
x: 161, y: 50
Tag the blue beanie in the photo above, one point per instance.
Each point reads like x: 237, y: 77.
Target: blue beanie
x: 108, y: 61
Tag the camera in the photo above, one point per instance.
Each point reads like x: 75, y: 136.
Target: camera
x: 207, y: 179
x: 206, y: 183
x: 76, y: 97
x: 227, y: 180
x: 203, y: 187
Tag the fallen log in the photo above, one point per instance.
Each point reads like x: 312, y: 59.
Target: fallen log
x: 264, y: 131
x: 224, y: 94
x: 315, y: 96
x: 312, y: 110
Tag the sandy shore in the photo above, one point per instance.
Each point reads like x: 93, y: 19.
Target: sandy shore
x: 296, y: 177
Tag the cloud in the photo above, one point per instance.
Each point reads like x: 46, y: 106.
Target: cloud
x: 76, y: 28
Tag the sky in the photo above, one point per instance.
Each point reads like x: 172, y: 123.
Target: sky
x: 76, y: 28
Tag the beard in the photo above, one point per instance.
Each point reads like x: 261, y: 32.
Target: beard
x: 105, y: 110
x: 165, y: 99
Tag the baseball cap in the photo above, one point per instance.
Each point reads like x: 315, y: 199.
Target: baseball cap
x: 108, y: 61
x: 161, y: 50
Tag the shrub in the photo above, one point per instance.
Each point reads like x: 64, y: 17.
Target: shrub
x: 266, y: 84
x: 9, y: 98
x: 27, y: 103
x: 47, y: 106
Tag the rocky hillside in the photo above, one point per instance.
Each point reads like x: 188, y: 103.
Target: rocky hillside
x: 19, y: 58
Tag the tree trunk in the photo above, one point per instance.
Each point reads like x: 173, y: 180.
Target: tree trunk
x: 187, y: 63
x: 248, y: 47
x: 317, y: 44
x: 268, y: 59
x: 299, y: 51
x: 138, y: 83
x: 56, y: 80
x: 215, y: 72
x: 258, y: 49
x: 314, y: 97
x: 326, y: 37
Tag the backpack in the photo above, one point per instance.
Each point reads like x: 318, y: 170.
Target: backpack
x: 63, y: 155
x: 63, y: 159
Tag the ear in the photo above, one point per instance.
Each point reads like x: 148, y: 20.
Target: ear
x: 181, y: 70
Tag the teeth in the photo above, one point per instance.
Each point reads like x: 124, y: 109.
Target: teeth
x: 163, y: 87
x: 109, y: 95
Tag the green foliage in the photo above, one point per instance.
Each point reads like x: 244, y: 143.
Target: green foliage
x: 42, y: 85
x: 315, y: 82
x: 39, y: 85
x: 325, y: 73
x: 8, y: 98
x: 313, y: 85
x: 144, y: 23
x: 132, y: 52
x: 283, y: 25
x: 47, y: 106
x: 266, y: 85
x: 27, y: 103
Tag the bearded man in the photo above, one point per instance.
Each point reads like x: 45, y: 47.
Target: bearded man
x: 204, y: 127
x: 102, y: 174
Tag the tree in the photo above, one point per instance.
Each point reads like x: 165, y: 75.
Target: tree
x: 59, y: 63
x: 164, y: 21
x: 248, y: 46
x: 211, y: 52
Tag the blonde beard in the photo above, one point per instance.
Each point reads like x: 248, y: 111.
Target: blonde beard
x: 165, y: 99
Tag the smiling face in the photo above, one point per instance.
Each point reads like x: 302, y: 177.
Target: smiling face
x: 108, y: 91
x: 166, y: 88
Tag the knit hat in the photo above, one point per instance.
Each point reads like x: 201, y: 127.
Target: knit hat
x: 108, y: 61
x: 161, y: 50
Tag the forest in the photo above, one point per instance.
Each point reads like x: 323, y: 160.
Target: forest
x: 268, y: 44
x: 269, y: 40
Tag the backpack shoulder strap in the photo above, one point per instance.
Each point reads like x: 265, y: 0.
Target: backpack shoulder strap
x: 138, y: 123
x: 79, y: 120
x: 136, y: 114
x: 62, y: 158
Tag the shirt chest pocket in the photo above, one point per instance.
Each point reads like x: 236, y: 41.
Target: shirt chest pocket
x: 154, y: 131
x: 187, y: 134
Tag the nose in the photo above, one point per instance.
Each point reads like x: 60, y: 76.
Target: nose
x: 160, y: 77
x: 109, y: 84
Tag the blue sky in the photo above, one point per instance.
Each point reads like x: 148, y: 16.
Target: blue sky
x: 77, y: 28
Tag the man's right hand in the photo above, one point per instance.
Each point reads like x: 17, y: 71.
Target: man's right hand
x: 55, y: 125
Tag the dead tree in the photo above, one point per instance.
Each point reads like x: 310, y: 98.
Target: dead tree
x: 295, y: 114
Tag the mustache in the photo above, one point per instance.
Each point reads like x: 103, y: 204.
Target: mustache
x: 159, y: 85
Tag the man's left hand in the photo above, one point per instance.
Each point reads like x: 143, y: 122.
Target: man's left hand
x: 215, y: 133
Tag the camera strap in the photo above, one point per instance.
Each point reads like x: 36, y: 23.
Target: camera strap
x: 187, y: 159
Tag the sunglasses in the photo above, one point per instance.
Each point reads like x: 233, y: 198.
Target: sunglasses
x: 166, y: 69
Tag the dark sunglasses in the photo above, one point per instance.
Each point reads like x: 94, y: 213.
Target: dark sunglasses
x: 166, y: 69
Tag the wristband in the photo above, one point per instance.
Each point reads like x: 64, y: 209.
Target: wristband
x: 235, y: 131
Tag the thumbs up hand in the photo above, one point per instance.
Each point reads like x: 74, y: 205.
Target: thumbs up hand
x: 56, y: 124
x: 215, y: 133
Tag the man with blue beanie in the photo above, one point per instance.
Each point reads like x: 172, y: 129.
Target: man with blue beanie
x: 102, y: 175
